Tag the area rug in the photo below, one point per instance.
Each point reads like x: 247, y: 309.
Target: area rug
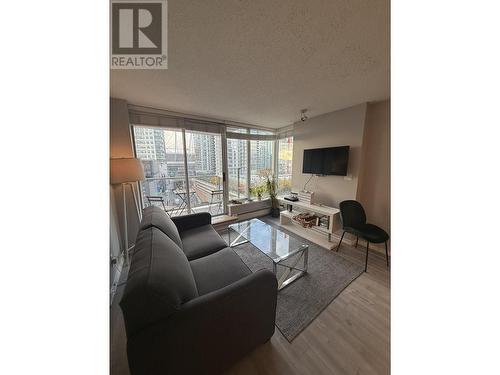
x: 304, y: 299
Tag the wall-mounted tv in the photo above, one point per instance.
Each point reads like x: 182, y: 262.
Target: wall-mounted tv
x: 330, y: 161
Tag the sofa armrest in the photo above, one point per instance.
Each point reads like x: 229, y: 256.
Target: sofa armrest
x: 258, y: 291
x: 191, y: 221
x: 211, y: 332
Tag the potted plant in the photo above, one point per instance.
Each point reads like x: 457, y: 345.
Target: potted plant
x: 271, y: 188
x: 260, y: 191
x: 257, y: 191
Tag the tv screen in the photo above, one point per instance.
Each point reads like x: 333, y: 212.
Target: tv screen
x: 326, y: 161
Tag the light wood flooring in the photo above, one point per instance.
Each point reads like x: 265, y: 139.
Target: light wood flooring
x: 351, y: 336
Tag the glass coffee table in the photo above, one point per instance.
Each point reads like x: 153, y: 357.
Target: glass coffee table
x: 276, y: 245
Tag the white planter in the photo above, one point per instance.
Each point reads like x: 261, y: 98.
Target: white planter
x: 239, y: 209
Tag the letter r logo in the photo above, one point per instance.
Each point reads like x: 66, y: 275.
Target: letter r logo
x: 137, y: 28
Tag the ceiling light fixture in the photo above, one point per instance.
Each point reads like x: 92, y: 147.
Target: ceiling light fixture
x: 303, y: 116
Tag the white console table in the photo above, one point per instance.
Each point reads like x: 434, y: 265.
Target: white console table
x: 320, y: 235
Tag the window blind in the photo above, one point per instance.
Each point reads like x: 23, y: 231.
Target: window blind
x: 150, y: 117
x: 157, y: 118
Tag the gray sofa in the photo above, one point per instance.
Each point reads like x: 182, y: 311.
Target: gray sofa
x: 191, y: 306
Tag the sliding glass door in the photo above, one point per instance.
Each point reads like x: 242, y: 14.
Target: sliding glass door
x: 284, y: 159
x: 183, y: 170
x: 261, y: 164
x: 237, y: 167
x: 204, y: 160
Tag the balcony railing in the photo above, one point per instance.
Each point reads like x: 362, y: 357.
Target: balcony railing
x: 204, y: 195
x: 205, y: 192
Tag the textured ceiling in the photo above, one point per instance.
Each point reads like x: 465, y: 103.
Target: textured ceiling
x: 262, y: 61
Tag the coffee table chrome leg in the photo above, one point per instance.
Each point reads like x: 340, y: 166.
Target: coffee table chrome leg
x: 290, y: 280
x: 284, y: 281
x: 241, y: 234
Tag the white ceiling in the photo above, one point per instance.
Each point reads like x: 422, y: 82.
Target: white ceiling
x: 262, y: 61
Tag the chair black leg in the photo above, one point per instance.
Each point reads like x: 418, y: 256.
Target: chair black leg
x: 386, y: 255
x: 341, y: 238
x: 357, y: 239
x: 366, y: 259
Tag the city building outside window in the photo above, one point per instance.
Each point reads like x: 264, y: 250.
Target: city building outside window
x: 237, y: 168
x: 168, y: 153
x: 261, y: 164
x: 285, y: 157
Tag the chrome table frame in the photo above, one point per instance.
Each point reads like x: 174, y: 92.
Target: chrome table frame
x: 285, y: 279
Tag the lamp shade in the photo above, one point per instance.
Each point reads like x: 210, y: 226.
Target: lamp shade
x: 126, y: 170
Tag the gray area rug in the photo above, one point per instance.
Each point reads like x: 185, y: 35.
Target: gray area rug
x: 304, y: 299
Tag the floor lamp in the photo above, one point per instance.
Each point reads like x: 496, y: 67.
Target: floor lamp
x: 126, y: 171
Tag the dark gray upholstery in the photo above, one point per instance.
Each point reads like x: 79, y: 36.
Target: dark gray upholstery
x: 218, y: 270
x: 159, y: 281
x: 187, y: 222
x: 155, y: 216
x: 195, y: 317
x: 211, y: 332
x: 369, y: 232
x: 201, y: 241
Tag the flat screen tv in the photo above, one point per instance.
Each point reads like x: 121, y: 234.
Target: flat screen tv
x: 330, y: 161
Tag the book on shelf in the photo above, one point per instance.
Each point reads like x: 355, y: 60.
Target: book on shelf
x: 306, y: 196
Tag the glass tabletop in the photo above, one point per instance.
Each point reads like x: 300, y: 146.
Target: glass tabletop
x: 274, y: 243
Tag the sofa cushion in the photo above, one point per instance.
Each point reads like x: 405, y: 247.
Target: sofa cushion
x: 155, y: 217
x: 159, y: 281
x: 201, y: 241
x: 218, y: 270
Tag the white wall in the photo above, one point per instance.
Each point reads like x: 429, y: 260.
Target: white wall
x: 339, y: 128
x: 374, y: 182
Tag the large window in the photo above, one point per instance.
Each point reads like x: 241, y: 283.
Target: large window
x: 162, y: 155
x: 165, y: 160
x: 261, y: 165
x: 204, y: 156
x: 237, y: 166
x: 285, y: 154
x: 184, y: 165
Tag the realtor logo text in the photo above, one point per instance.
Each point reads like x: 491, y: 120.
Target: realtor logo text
x: 139, y: 34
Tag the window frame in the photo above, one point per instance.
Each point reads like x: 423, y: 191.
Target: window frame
x: 166, y: 121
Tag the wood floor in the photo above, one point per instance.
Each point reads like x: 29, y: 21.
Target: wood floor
x: 351, y: 336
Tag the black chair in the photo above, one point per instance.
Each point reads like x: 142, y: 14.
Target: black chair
x: 354, y: 222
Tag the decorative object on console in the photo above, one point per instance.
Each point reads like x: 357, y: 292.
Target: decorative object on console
x: 306, y: 196
x: 307, y: 220
x: 292, y: 197
x: 323, y: 221
x: 126, y: 171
